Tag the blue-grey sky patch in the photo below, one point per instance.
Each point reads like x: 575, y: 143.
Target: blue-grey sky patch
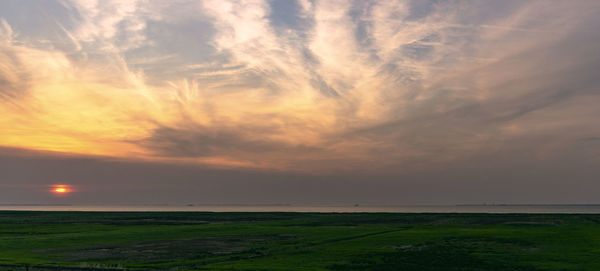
x: 417, y: 51
x: 287, y: 14
x: 325, y: 88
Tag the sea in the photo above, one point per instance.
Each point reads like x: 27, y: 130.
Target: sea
x: 501, y: 209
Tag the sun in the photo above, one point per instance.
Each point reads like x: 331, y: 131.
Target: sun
x: 60, y: 189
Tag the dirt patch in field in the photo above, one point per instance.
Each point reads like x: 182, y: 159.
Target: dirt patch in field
x: 164, y: 249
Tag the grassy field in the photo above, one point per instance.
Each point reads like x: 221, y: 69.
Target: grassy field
x: 299, y: 241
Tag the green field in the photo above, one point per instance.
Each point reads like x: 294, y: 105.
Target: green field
x: 298, y: 241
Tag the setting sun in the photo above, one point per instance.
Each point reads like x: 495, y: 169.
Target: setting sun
x: 60, y: 189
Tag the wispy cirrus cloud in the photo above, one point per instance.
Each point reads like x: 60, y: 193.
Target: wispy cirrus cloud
x: 304, y: 85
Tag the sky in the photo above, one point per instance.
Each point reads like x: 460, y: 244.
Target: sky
x: 300, y: 101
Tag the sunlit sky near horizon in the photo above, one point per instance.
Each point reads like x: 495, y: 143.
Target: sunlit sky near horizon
x: 300, y: 101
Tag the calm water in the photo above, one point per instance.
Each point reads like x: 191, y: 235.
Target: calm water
x: 585, y: 209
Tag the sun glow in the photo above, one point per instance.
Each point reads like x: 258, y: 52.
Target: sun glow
x: 60, y: 189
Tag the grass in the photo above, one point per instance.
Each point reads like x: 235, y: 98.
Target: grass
x: 298, y: 241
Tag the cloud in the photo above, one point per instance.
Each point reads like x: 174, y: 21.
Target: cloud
x: 298, y: 85
x: 589, y: 138
x: 200, y: 141
x: 109, y: 25
x: 501, y: 178
x: 13, y: 80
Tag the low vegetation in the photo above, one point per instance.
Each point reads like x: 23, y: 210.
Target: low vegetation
x: 297, y: 241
